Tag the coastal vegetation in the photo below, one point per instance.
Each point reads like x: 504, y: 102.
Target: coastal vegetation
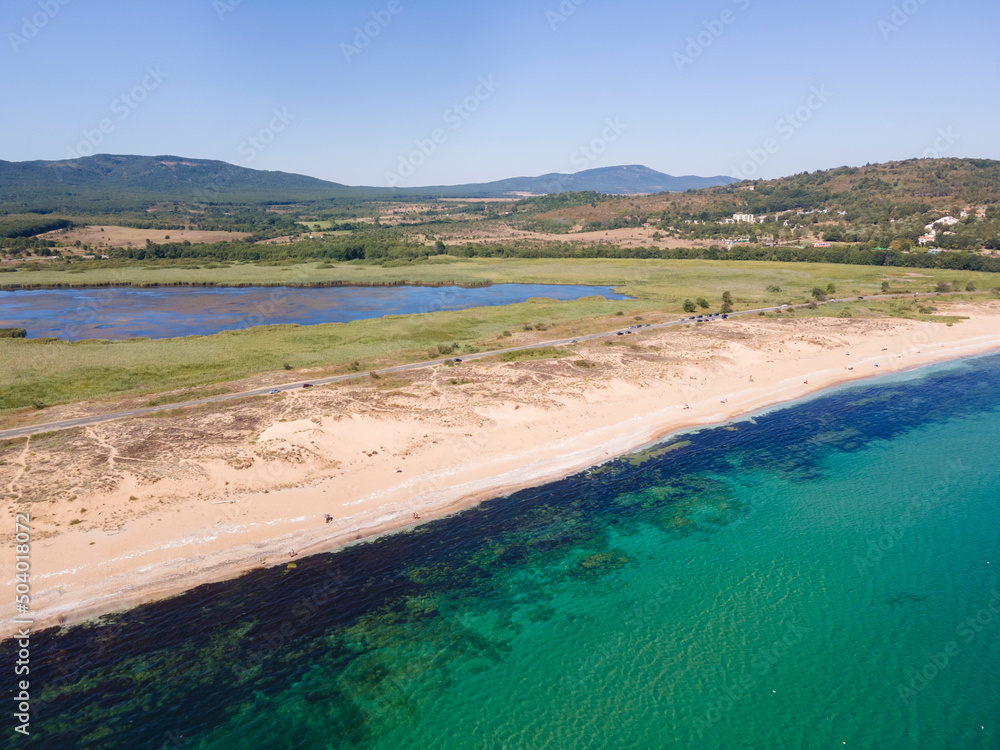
x: 52, y: 371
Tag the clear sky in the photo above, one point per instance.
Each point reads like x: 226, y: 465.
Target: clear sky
x: 351, y: 90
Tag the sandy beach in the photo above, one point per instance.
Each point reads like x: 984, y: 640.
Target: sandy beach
x: 132, y: 511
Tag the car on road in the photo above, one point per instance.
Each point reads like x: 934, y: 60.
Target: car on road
x: 457, y: 360
x: 619, y: 333
x: 273, y: 391
x: 573, y: 341
x: 307, y: 385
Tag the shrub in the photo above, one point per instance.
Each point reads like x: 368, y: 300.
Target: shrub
x: 971, y: 286
x: 885, y: 286
x: 774, y: 289
x: 689, y: 306
x: 702, y: 303
x: 13, y: 333
x: 845, y: 313
x: 287, y: 366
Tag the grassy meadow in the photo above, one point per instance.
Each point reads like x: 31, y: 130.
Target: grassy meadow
x: 38, y: 373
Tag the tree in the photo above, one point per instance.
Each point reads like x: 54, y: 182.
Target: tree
x: 830, y: 288
x: 703, y: 303
x: 689, y: 306
x: 885, y: 286
x: 818, y: 293
x: 727, y: 302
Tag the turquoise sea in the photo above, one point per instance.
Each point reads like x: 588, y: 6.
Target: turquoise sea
x: 824, y: 575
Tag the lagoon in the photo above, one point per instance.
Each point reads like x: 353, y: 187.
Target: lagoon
x: 117, y: 313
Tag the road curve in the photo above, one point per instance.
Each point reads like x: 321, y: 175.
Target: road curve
x: 66, y: 424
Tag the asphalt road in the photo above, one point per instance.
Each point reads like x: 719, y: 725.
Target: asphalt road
x: 65, y: 424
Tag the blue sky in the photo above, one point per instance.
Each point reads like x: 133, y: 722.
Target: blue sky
x: 757, y: 88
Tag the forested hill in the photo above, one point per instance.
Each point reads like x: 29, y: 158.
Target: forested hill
x: 631, y: 179
x: 911, y: 186
x: 105, y: 182
x: 108, y: 183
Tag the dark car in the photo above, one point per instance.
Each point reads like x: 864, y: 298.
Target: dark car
x: 724, y: 317
x: 619, y: 333
x: 307, y: 385
x: 458, y: 360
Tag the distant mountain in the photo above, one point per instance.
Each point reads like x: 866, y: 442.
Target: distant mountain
x: 106, y: 182
x: 625, y: 180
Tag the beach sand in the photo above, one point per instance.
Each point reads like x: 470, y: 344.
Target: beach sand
x: 167, y: 503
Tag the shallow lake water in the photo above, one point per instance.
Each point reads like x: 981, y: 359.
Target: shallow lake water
x: 168, y: 312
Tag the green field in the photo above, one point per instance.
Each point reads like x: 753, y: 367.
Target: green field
x: 41, y: 373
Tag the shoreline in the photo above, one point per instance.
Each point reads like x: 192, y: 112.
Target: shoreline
x: 270, y: 285
x: 591, y: 429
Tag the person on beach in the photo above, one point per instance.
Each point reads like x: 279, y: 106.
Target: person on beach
x: 328, y: 517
